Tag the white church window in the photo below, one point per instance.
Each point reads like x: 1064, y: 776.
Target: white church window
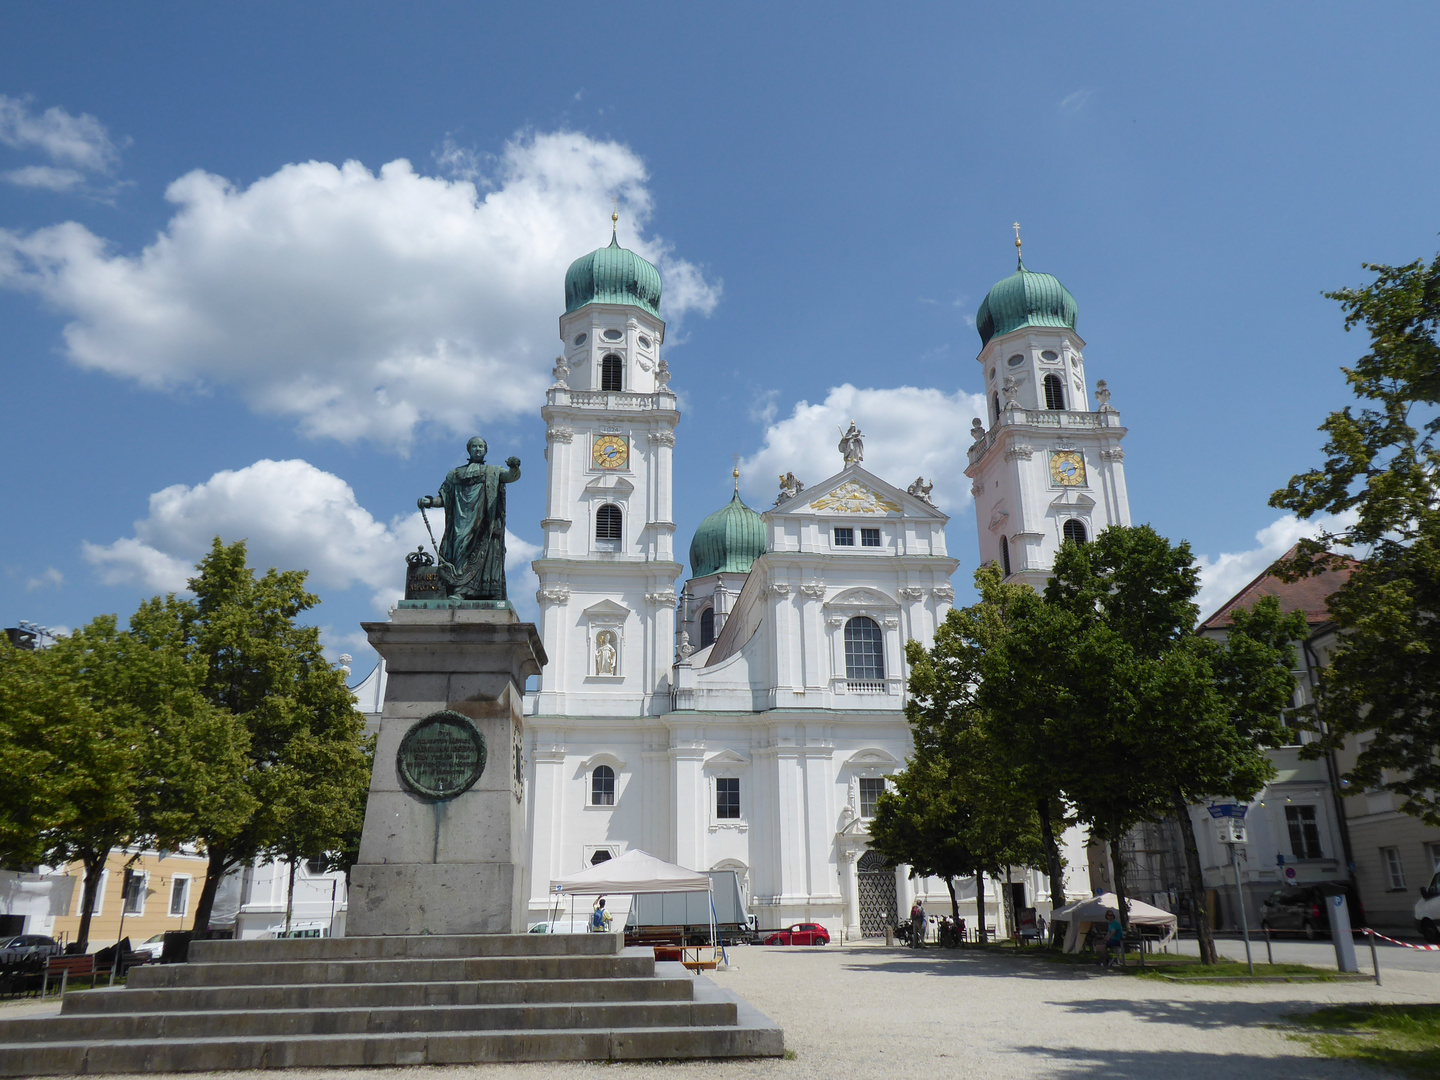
x: 1014, y: 361
x: 869, y: 537
x: 727, y: 797
x: 607, y: 522
x: 603, y: 855
x: 613, y: 335
x: 707, y: 627
x: 1005, y: 556
x: 844, y: 537
x: 580, y: 339
x: 1075, y: 530
x: 1050, y: 354
x: 994, y: 407
x: 602, y: 786
x: 612, y: 373
x: 871, y: 788
x: 1054, y: 392
x: 864, y: 650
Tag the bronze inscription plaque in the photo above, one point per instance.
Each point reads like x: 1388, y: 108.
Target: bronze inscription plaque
x: 441, y: 757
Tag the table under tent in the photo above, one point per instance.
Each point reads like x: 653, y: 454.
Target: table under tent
x: 640, y: 873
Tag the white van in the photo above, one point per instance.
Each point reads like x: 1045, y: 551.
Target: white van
x: 1427, y: 910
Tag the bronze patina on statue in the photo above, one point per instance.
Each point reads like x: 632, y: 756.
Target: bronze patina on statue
x: 470, y: 558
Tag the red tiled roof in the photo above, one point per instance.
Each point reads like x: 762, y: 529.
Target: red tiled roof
x: 1310, y: 594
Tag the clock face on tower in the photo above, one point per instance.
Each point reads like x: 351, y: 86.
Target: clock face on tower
x: 610, y: 452
x: 1067, y: 468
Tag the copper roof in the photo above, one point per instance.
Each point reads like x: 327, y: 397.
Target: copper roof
x: 1309, y: 594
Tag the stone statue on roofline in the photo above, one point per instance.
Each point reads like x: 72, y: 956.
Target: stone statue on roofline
x: 789, y: 487
x: 921, y: 489
x: 852, y: 448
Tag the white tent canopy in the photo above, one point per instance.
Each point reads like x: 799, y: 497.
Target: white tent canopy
x: 634, y: 872
x: 1081, y: 914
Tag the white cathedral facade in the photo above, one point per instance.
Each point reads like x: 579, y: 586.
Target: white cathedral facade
x: 749, y: 720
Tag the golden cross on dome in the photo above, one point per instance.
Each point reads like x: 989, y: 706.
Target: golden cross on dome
x: 735, y: 473
x: 614, y: 214
x: 1016, y: 227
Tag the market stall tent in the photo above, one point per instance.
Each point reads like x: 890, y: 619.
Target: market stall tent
x: 634, y: 872
x: 1082, y: 914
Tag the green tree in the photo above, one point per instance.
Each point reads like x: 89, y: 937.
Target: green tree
x: 306, y: 761
x: 1380, y: 470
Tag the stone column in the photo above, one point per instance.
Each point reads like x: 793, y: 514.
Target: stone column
x: 852, y: 893
x: 448, y: 864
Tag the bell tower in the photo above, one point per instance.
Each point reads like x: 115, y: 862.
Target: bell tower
x: 1046, y: 467
x: 607, y: 568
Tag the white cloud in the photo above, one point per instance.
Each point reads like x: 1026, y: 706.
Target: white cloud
x: 362, y: 304
x: 79, y: 141
x: 1076, y: 101
x: 293, y: 516
x: 48, y: 177
x: 909, y: 431
x: 1225, y: 575
x: 47, y: 578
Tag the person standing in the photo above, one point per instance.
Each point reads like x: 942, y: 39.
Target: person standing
x: 917, y: 925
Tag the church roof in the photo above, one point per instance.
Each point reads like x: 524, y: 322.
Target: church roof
x: 728, y: 541
x: 1309, y: 594
x: 612, y: 275
x: 1024, y: 299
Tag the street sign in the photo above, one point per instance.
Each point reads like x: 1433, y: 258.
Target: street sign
x: 1229, y: 821
x: 1289, y: 873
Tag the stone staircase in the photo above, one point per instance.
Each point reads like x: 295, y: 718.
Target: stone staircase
x: 319, y: 1002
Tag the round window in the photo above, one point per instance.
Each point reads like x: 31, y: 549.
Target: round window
x: 644, y: 341
x: 613, y: 335
x: 1016, y: 360
x: 580, y: 339
x: 1049, y: 354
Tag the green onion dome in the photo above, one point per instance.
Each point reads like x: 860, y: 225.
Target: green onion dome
x: 612, y: 275
x: 1024, y: 299
x: 727, y: 541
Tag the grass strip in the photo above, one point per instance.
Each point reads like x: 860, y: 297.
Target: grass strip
x: 1403, y: 1038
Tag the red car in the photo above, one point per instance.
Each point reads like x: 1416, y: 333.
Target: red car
x: 802, y: 933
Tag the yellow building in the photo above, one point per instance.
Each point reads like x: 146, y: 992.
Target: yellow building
x: 158, y: 893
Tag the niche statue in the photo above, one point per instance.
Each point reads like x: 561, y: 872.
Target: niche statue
x: 472, y: 551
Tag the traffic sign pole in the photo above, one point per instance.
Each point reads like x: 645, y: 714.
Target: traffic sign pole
x: 1240, y: 896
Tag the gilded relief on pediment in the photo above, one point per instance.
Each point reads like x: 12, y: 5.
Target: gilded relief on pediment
x: 855, y: 498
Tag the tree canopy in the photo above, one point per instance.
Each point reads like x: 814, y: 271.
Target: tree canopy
x: 1380, y: 472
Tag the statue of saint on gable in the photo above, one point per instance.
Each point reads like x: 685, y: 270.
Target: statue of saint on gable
x: 789, y: 487
x: 921, y: 489
x: 852, y: 449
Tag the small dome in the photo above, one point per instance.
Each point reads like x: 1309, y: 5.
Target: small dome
x: 727, y: 541
x: 612, y: 275
x: 1024, y: 299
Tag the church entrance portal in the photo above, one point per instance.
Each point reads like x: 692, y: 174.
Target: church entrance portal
x: 877, y: 894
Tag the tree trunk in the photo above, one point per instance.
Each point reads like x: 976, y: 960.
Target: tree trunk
x: 1117, y: 863
x: 980, y: 905
x: 94, y: 864
x: 1012, y: 917
x: 214, y: 871
x: 954, y: 900
x: 1054, y: 870
x: 290, y: 895
x: 1200, y: 911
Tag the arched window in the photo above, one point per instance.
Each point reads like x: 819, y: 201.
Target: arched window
x: 1054, y: 392
x: 600, y: 856
x: 707, y: 627
x: 602, y: 787
x: 612, y: 373
x: 1075, y: 530
x: 994, y: 408
x: 1005, y: 556
x: 607, y: 522
x: 864, y: 650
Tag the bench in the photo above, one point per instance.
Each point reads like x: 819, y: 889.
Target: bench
x: 65, y: 968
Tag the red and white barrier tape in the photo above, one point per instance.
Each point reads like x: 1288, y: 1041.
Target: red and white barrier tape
x: 1408, y: 945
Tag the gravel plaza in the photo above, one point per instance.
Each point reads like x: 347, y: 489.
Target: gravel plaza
x: 865, y: 1010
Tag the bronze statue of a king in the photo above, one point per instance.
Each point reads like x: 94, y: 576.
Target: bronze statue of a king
x: 472, y: 551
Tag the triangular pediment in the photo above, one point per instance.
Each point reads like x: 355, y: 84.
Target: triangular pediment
x: 727, y: 757
x: 609, y: 484
x: 607, y: 609
x: 1071, y: 501
x: 862, y: 598
x: 855, y: 491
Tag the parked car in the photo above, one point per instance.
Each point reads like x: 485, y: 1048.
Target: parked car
x: 1302, y: 908
x: 1427, y: 911
x: 151, y: 946
x: 804, y: 933
x: 25, y: 946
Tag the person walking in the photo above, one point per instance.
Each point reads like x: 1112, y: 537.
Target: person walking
x: 917, y: 925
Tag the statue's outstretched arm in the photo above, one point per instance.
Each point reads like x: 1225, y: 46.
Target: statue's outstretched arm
x: 514, y: 473
x: 429, y: 502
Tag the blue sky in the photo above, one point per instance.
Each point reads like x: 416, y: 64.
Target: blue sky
x: 213, y: 323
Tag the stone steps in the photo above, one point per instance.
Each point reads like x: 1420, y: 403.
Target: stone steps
x: 390, y: 1001
x: 376, y: 995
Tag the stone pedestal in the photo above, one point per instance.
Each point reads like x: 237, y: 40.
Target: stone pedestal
x: 452, y: 865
